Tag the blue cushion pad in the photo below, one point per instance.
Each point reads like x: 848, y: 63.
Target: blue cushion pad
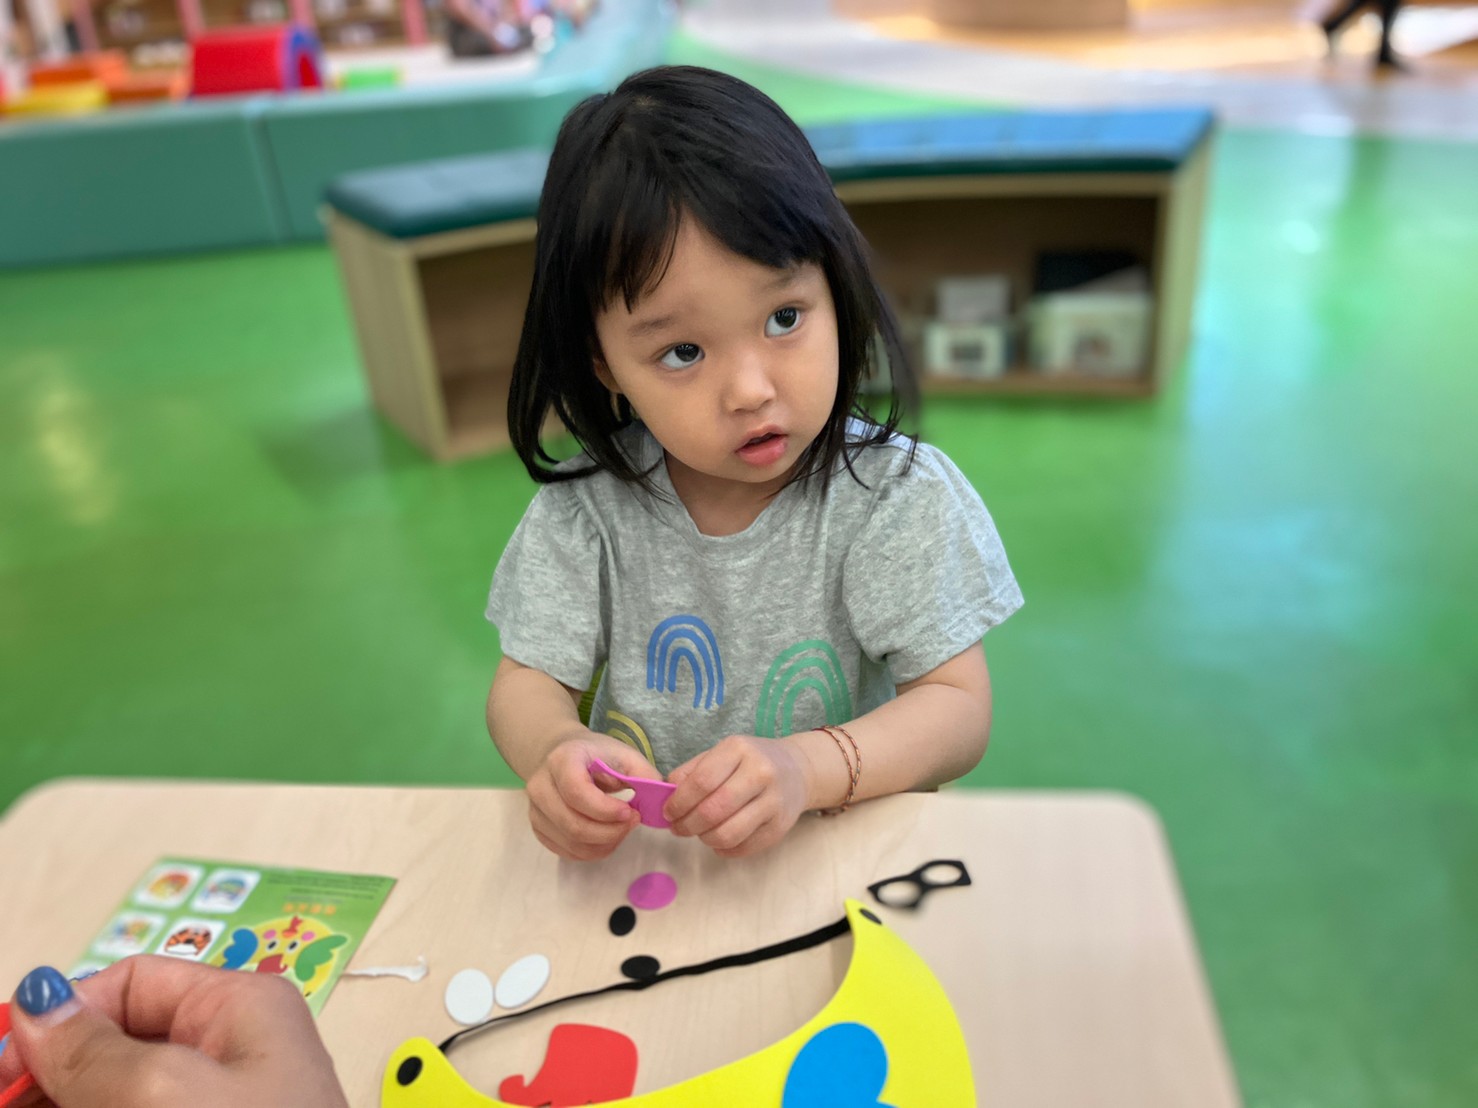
x: 427, y: 197
x: 448, y: 194
x: 1129, y: 140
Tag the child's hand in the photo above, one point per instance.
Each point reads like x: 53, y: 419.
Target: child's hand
x: 740, y: 797
x: 570, y: 812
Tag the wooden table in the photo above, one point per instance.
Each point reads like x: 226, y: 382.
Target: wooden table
x: 1070, y: 960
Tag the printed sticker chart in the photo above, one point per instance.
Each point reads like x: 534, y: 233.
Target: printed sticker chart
x: 301, y: 925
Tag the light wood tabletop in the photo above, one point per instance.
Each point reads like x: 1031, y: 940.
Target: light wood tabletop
x: 1070, y: 960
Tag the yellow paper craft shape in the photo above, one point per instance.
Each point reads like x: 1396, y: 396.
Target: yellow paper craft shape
x: 888, y: 989
x: 301, y: 949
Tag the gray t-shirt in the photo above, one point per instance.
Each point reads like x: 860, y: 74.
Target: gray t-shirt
x: 810, y: 615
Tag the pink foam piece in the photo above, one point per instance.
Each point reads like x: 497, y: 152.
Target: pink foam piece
x: 652, y: 891
x: 650, y: 795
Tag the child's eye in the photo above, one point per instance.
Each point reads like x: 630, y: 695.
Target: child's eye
x: 682, y: 355
x: 782, y: 322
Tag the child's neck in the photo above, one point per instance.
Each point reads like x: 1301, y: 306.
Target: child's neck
x: 718, y: 507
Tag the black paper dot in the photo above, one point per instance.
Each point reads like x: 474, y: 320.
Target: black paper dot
x: 409, y: 1070
x: 641, y: 967
x: 623, y: 919
x: 865, y: 914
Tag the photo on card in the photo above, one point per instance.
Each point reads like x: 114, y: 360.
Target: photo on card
x: 192, y: 938
x: 225, y: 890
x: 168, y: 885
x: 129, y: 933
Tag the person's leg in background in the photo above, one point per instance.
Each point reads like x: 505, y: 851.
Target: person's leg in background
x: 1387, y: 57
x: 1335, y: 21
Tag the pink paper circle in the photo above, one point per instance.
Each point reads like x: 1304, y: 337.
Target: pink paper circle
x: 652, y: 891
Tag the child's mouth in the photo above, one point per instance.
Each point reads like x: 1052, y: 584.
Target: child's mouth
x: 763, y: 450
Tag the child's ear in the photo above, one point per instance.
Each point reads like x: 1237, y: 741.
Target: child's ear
x: 604, y: 375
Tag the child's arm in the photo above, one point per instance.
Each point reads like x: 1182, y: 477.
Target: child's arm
x: 746, y: 793
x: 535, y: 723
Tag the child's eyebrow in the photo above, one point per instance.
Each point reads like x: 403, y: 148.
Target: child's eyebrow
x: 786, y: 277
x: 650, y: 326
x: 783, y: 279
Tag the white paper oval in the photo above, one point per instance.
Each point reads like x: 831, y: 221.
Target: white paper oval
x: 522, y: 981
x: 469, y: 997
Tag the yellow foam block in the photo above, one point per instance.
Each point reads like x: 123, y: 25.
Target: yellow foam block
x: 75, y: 99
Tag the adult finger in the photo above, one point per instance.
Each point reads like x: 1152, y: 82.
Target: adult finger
x: 80, y: 1055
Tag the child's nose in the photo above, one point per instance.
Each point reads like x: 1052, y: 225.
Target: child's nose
x: 751, y: 384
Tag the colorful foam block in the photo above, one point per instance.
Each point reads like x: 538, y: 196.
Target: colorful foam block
x: 279, y: 58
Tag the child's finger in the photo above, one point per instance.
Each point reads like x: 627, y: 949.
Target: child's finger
x: 764, y: 837
x: 561, y: 842
x: 623, y: 759
x: 736, y: 831
x: 705, y: 773
x: 576, y: 827
x: 579, y: 792
x: 721, y: 804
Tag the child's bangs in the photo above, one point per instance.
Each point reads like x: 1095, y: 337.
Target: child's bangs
x: 633, y: 225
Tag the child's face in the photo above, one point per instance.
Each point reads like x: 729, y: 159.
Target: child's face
x: 731, y: 365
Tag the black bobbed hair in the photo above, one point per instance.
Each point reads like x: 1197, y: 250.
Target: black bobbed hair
x: 671, y: 143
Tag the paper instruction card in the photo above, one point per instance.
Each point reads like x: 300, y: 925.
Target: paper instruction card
x: 302, y: 925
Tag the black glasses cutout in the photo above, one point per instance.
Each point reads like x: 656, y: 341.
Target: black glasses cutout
x: 909, y: 890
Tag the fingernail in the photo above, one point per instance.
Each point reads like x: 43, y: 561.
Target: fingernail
x: 4, y: 1042
x: 43, y: 990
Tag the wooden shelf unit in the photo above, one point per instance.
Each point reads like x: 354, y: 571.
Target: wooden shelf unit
x: 438, y: 320
x: 922, y: 229
x: 127, y: 24
x: 438, y: 317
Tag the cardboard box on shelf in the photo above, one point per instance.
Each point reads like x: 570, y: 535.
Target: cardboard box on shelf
x: 1103, y: 333
x: 968, y: 350
x: 979, y: 299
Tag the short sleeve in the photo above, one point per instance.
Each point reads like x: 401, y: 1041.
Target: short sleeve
x: 548, y: 595
x: 927, y: 575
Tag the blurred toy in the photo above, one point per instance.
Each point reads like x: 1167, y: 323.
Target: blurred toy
x: 79, y: 69
x: 76, y: 99
x: 281, y: 58
x: 141, y: 87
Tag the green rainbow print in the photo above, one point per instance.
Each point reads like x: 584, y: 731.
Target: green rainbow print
x: 807, y: 666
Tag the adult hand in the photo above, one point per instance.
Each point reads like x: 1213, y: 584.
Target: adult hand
x: 741, y: 796
x: 157, y: 1032
x: 571, y: 812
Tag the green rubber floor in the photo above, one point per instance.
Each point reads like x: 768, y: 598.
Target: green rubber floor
x: 1248, y: 600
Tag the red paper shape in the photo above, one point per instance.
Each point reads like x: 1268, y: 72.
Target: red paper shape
x: 583, y: 1065
x: 22, y: 1083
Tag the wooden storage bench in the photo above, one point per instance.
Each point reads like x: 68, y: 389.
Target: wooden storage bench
x: 437, y: 258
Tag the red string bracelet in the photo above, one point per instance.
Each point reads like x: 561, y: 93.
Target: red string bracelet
x: 854, y: 769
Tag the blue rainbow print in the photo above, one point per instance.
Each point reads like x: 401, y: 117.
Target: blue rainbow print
x: 688, y: 639
x: 810, y: 666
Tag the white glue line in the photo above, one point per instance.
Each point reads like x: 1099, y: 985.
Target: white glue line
x: 416, y: 972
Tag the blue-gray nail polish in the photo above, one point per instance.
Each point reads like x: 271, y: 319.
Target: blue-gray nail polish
x: 42, y: 990
x: 4, y: 1042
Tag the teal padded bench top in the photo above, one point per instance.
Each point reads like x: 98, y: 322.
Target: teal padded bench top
x: 1120, y: 140
x: 424, y: 198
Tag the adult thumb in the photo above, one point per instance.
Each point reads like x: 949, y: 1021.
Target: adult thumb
x: 79, y: 1057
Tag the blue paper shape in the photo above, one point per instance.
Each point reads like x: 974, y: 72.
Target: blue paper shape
x: 842, y: 1066
x: 243, y: 946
